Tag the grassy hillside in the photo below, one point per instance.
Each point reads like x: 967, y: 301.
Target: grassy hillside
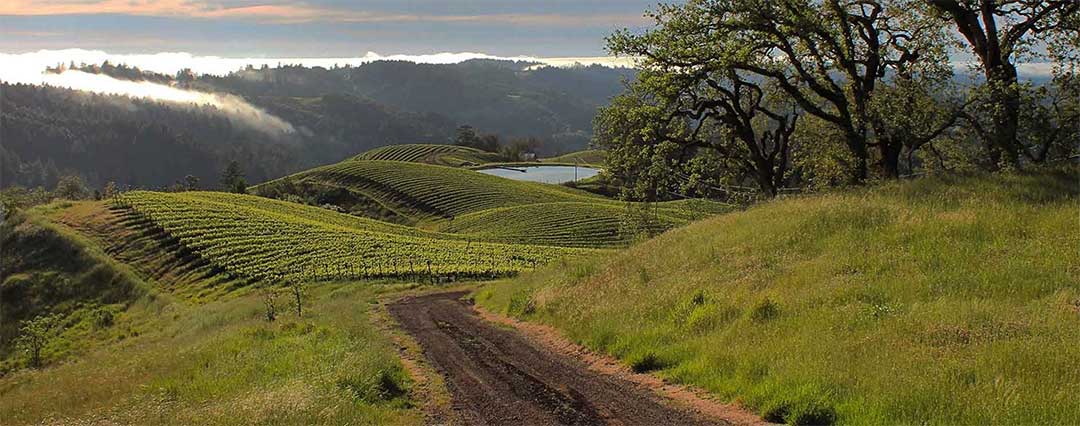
x: 48, y: 267
x: 938, y: 301
x: 598, y: 225
x: 594, y: 157
x: 443, y: 155
x: 432, y: 190
x: 220, y: 363
x: 480, y: 206
x: 146, y: 334
x: 266, y: 239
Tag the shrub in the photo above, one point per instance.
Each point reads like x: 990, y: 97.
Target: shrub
x: 382, y: 386
x: 103, y: 318
x: 522, y: 303
x: 764, y: 310
x: 34, y: 335
x: 646, y: 362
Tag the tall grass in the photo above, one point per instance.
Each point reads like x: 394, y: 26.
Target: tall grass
x: 222, y: 363
x: 938, y: 301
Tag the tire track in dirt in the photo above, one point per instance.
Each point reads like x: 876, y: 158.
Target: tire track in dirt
x: 495, y: 376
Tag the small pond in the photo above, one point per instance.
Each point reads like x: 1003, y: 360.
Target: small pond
x: 545, y: 174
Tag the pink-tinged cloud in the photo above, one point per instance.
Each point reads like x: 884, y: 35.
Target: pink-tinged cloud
x: 75, y: 7
x: 292, y: 13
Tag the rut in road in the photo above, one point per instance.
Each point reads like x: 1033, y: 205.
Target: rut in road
x: 495, y: 376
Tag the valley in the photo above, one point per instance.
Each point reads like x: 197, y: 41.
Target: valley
x: 204, y: 270
x: 486, y: 213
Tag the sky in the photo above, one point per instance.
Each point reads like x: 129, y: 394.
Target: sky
x: 319, y: 28
x: 219, y: 36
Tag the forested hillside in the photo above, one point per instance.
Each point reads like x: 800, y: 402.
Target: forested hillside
x: 501, y: 97
x: 49, y: 132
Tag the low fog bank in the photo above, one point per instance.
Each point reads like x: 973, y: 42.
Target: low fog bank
x: 171, y: 62
x: 232, y: 106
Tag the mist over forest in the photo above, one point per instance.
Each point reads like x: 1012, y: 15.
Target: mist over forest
x: 146, y: 129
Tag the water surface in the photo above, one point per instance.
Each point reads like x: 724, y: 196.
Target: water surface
x: 545, y: 174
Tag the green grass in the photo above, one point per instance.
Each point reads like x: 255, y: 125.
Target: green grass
x: 444, y: 155
x: 596, y: 225
x: 490, y: 208
x: 593, y: 157
x: 49, y: 267
x: 221, y: 363
x: 266, y: 239
x: 129, y: 349
x: 938, y: 301
x: 434, y: 191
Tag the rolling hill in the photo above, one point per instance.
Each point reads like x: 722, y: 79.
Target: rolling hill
x: 444, y: 155
x: 137, y: 321
x: 938, y: 301
x: 429, y: 190
x: 264, y: 239
x: 593, y: 157
x: 164, y: 296
x: 571, y: 224
x: 486, y: 207
x: 50, y: 131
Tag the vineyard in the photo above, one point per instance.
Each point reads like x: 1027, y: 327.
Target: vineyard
x: 491, y: 208
x: 445, y: 155
x: 264, y: 239
x: 595, y: 225
x: 437, y: 191
x: 588, y: 157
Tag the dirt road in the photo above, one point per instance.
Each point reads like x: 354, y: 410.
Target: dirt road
x: 497, y: 377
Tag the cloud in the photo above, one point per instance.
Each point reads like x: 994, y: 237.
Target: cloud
x: 285, y: 13
x: 28, y: 65
x: 18, y: 33
x: 127, y: 7
x: 29, y: 69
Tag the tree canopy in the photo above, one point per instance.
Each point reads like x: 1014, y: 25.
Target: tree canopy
x: 728, y: 82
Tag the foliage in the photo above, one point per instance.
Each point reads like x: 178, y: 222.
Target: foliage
x: 723, y: 56
x: 71, y: 187
x: 337, y: 113
x: 48, y: 130
x: 707, y: 114
x: 999, y: 33
x: 520, y: 149
x: 34, y: 335
x: 269, y: 297
x: 16, y: 197
x: 232, y: 179
x: 47, y: 269
x: 467, y: 136
x: 500, y: 97
x: 1048, y: 115
x: 909, y: 113
x: 110, y: 190
x: 819, y: 157
x: 191, y: 182
x: 638, y: 159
